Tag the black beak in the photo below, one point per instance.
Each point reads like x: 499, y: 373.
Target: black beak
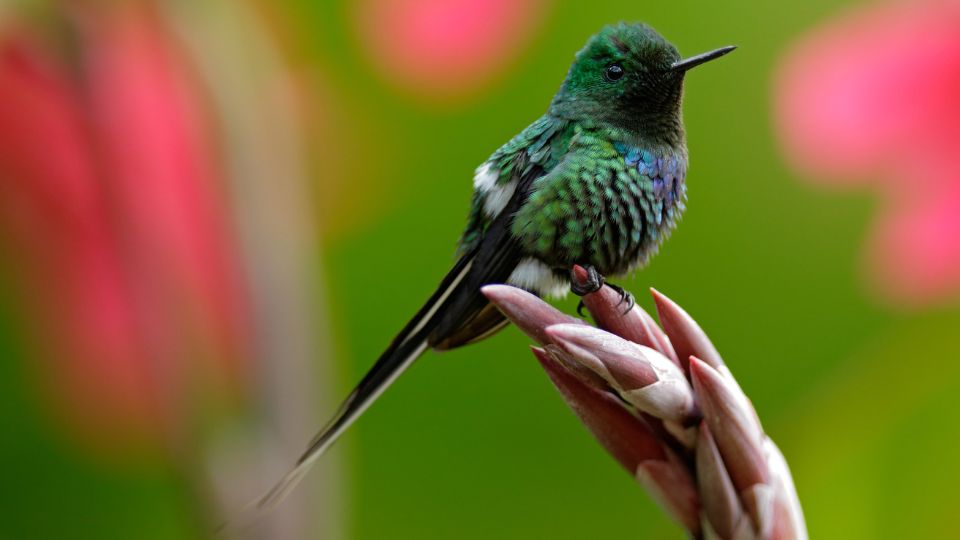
x: 693, y: 61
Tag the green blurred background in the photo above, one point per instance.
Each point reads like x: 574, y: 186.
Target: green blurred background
x: 860, y: 394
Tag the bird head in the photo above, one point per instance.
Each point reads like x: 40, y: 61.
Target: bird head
x: 631, y: 78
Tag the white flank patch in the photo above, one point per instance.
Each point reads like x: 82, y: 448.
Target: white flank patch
x: 485, y: 178
x: 533, y: 275
x: 497, y: 196
x: 497, y: 199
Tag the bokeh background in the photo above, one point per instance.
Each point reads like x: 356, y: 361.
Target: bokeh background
x: 214, y: 214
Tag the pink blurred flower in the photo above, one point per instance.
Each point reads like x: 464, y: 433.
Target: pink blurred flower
x: 444, y: 48
x: 110, y: 216
x: 871, y: 98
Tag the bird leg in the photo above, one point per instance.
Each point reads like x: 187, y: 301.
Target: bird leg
x: 586, y: 280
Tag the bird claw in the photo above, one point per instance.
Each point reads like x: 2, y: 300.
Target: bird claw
x: 625, y: 297
x: 580, y: 306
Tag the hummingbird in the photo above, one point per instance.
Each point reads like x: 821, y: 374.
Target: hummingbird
x: 597, y: 181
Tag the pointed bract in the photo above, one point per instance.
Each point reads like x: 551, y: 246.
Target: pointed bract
x: 606, y: 308
x: 720, y: 502
x: 670, y: 484
x: 621, y: 363
x: 760, y: 503
x: 576, y: 368
x: 687, y: 337
x: 640, y: 375
x: 734, y: 429
x: 660, y: 339
x: 627, y: 438
x: 786, y: 493
x: 531, y: 314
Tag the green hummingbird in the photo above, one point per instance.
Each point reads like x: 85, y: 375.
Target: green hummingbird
x: 597, y: 181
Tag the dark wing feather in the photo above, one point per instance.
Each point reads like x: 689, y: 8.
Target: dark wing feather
x: 488, y: 321
x: 495, y: 258
x: 444, y: 319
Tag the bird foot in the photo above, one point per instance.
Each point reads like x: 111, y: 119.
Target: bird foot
x: 585, y: 280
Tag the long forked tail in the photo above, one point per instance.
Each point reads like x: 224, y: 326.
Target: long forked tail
x: 409, y: 344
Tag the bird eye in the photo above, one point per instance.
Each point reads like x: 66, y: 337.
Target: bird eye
x: 614, y: 72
